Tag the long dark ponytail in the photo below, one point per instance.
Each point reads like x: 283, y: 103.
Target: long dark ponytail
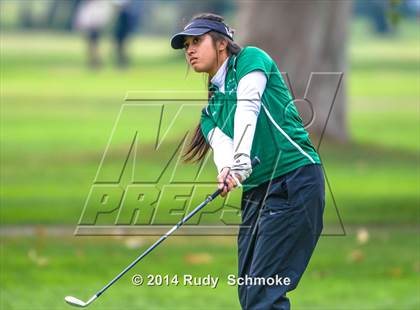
x: 198, y: 147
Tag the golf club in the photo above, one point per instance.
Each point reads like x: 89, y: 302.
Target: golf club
x: 79, y: 303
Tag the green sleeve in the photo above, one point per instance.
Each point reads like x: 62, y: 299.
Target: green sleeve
x: 206, y: 123
x: 252, y: 59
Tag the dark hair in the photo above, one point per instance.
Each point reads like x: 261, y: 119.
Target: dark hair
x: 198, y: 147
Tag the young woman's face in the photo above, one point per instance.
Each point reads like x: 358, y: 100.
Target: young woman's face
x: 200, y: 53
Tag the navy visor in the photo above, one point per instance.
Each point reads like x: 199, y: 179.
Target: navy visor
x: 199, y: 27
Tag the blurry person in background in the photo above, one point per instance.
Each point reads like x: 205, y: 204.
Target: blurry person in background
x: 413, y: 7
x: 128, y: 15
x: 92, y: 17
x: 60, y: 14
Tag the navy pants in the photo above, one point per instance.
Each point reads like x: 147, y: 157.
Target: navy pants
x: 281, y: 224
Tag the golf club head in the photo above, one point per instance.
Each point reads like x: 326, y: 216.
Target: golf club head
x: 75, y: 302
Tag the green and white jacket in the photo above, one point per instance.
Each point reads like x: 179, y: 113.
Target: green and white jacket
x: 252, y: 112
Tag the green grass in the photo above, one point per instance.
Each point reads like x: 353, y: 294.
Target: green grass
x: 380, y: 274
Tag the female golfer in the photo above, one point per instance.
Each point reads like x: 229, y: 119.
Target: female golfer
x: 250, y: 113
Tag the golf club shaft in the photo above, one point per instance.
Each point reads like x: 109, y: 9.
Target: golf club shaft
x: 254, y: 163
x: 161, y: 239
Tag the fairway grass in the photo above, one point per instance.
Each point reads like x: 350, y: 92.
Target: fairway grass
x: 57, y: 118
x: 379, y: 272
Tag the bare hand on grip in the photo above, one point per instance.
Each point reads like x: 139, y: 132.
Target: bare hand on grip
x: 225, y: 181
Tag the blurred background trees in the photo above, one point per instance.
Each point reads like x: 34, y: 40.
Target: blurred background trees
x: 302, y: 36
x: 305, y: 37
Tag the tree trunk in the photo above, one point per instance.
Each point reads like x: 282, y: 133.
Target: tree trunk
x: 305, y: 37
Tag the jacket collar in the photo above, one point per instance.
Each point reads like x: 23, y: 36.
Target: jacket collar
x: 218, y: 79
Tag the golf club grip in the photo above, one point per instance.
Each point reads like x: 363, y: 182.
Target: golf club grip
x: 255, y: 162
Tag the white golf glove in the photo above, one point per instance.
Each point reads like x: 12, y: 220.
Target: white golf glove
x: 241, y: 168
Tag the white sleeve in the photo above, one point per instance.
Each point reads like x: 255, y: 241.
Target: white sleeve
x: 249, y: 92
x: 222, y: 147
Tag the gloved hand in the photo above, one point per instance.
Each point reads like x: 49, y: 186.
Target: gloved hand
x: 241, y: 168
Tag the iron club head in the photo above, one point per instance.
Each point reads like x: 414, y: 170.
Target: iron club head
x: 77, y: 302
x: 74, y: 301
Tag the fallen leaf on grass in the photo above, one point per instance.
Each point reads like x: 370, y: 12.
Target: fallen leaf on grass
x: 356, y: 256
x: 395, y: 272
x: 362, y: 236
x: 40, y: 261
x: 198, y: 258
x: 133, y: 242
